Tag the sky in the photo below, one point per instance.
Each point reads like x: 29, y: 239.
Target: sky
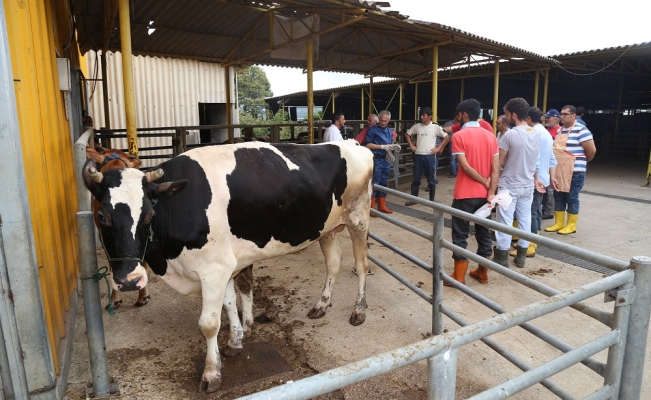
x: 547, y: 28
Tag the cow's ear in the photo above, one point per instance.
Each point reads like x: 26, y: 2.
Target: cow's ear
x: 94, y: 155
x: 168, y: 189
x: 93, y: 179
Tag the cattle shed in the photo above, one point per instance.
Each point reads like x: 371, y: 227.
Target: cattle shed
x: 613, y: 85
x: 46, y: 88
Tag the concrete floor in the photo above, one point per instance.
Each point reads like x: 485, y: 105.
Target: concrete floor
x: 151, y: 348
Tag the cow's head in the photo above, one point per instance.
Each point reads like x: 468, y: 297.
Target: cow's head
x: 126, y: 208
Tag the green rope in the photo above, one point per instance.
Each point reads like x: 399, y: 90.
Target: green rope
x: 103, y: 273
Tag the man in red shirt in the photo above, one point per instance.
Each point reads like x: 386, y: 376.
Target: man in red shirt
x: 552, y: 120
x: 477, y: 153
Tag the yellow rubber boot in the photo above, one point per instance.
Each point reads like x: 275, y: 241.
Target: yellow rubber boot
x: 571, y: 224
x: 560, y: 222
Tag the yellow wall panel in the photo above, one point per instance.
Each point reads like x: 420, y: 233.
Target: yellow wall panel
x: 47, y: 152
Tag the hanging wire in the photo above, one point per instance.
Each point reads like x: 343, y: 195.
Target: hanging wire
x: 595, y: 72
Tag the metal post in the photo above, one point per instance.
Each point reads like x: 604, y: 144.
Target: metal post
x: 333, y: 103
x: 496, y: 94
x: 545, y: 89
x: 362, y: 114
x: 396, y: 168
x: 463, y: 88
x: 92, y: 303
x: 127, y: 77
x: 442, y: 375
x: 619, y: 104
x: 638, y: 329
x: 613, y: 372
x: 13, y: 373
x: 79, y: 158
x: 229, y: 104
x: 416, y: 101
x: 435, y: 83
x: 310, y: 92
x: 536, y: 84
x: 437, y: 272
x: 399, y: 127
x: 370, y: 95
x: 106, y: 143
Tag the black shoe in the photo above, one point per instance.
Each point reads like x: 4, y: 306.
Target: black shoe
x: 410, y: 203
x: 551, y: 216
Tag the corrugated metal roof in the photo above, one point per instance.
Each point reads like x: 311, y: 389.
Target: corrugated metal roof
x: 634, y: 49
x: 236, y: 32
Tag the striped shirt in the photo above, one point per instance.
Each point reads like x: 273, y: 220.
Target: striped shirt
x: 577, y: 135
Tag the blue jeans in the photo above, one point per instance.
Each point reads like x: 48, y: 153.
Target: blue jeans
x: 454, y: 165
x: 536, y: 212
x: 381, y: 169
x: 423, y: 164
x: 570, y: 201
x: 521, y: 204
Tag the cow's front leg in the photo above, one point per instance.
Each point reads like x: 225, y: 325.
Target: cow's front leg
x: 212, y: 293
x: 244, y: 285
x: 236, y: 333
x: 116, y: 296
x: 143, y: 294
x: 360, y: 250
x: 332, y: 253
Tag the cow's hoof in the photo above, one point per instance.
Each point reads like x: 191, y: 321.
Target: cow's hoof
x: 116, y: 305
x: 316, y: 313
x: 231, y: 351
x: 357, y: 319
x: 144, y: 301
x: 211, y: 386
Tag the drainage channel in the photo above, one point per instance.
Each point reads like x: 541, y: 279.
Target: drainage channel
x: 541, y: 250
x: 614, y: 196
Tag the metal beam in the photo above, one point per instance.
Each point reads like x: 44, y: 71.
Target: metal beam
x: 310, y: 91
x: 496, y: 92
x: 395, y: 53
x: 435, y: 82
x: 229, y: 104
x: 127, y: 74
x: 295, y: 41
x: 535, y: 89
x: 545, y: 89
x: 370, y: 95
x: 271, y: 36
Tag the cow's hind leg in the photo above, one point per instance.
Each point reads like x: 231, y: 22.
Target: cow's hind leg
x: 244, y: 286
x: 213, y: 290
x: 332, y: 254
x: 360, y: 249
x: 236, y: 333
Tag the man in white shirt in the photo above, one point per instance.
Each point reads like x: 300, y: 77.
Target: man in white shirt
x: 333, y: 133
x: 425, y: 151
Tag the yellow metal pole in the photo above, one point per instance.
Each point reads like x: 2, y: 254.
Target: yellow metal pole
x: 370, y: 96
x: 362, y: 114
x: 400, y: 106
x: 535, y: 89
x: 416, y: 101
x: 333, y: 103
x: 310, y: 93
x: 545, y: 88
x: 463, y: 88
x: 496, y: 91
x: 435, y: 83
x: 127, y: 73
x: 229, y: 105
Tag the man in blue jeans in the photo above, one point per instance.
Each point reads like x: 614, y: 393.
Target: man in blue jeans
x: 573, y: 147
x: 426, y: 134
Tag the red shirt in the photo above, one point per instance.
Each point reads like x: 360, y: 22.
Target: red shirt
x: 361, y: 138
x: 479, y: 146
x: 457, y: 127
x: 554, y: 131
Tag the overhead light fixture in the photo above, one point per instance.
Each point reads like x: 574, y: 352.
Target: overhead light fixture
x: 150, y: 28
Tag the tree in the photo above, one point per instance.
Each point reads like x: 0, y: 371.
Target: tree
x: 252, y: 88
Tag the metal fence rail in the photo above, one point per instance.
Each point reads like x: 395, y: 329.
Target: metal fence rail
x: 629, y: 287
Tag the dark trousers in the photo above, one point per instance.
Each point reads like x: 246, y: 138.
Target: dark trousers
x: 461, y: 228
x: 536, y: 211
x: 423, y: 164
x: 548, y: 201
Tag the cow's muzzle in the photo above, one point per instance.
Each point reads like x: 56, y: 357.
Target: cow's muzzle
x: 128, y: 285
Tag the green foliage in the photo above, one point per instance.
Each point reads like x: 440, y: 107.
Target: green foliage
x: 252, y: 88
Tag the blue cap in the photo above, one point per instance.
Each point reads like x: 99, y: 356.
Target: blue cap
x: 552, y: 113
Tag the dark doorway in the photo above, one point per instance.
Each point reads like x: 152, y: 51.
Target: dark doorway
x: 212, y: 114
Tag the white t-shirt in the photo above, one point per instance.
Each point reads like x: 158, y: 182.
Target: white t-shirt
x: 426, y: 136
x: 332, y: 134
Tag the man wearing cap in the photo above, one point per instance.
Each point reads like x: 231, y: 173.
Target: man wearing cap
x: 425, y: 150
x: 574, y: 148
x: 552, y: 119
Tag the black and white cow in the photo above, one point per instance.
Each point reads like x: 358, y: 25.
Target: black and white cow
x: 210, y: 212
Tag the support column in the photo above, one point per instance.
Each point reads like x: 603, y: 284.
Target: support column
x: 435, y: 83
x: 619, y: 105
x: 536, y: 83
x: 127, y: 76
x: 310, y: 93
x: 402, y: 86
x: 463, y: 88
x: 362, y: 114
x: 545, y: 88
x: 416, y: 101
x: 229, y: 105
x: 105, y: 96
x: 496, y: 92
x: 370, y: 96
x: 333, y: 103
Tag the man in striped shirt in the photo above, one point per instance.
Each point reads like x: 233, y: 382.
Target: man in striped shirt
x: 576, y: 140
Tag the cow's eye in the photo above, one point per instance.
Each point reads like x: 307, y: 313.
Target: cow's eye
x: 102, y: 218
